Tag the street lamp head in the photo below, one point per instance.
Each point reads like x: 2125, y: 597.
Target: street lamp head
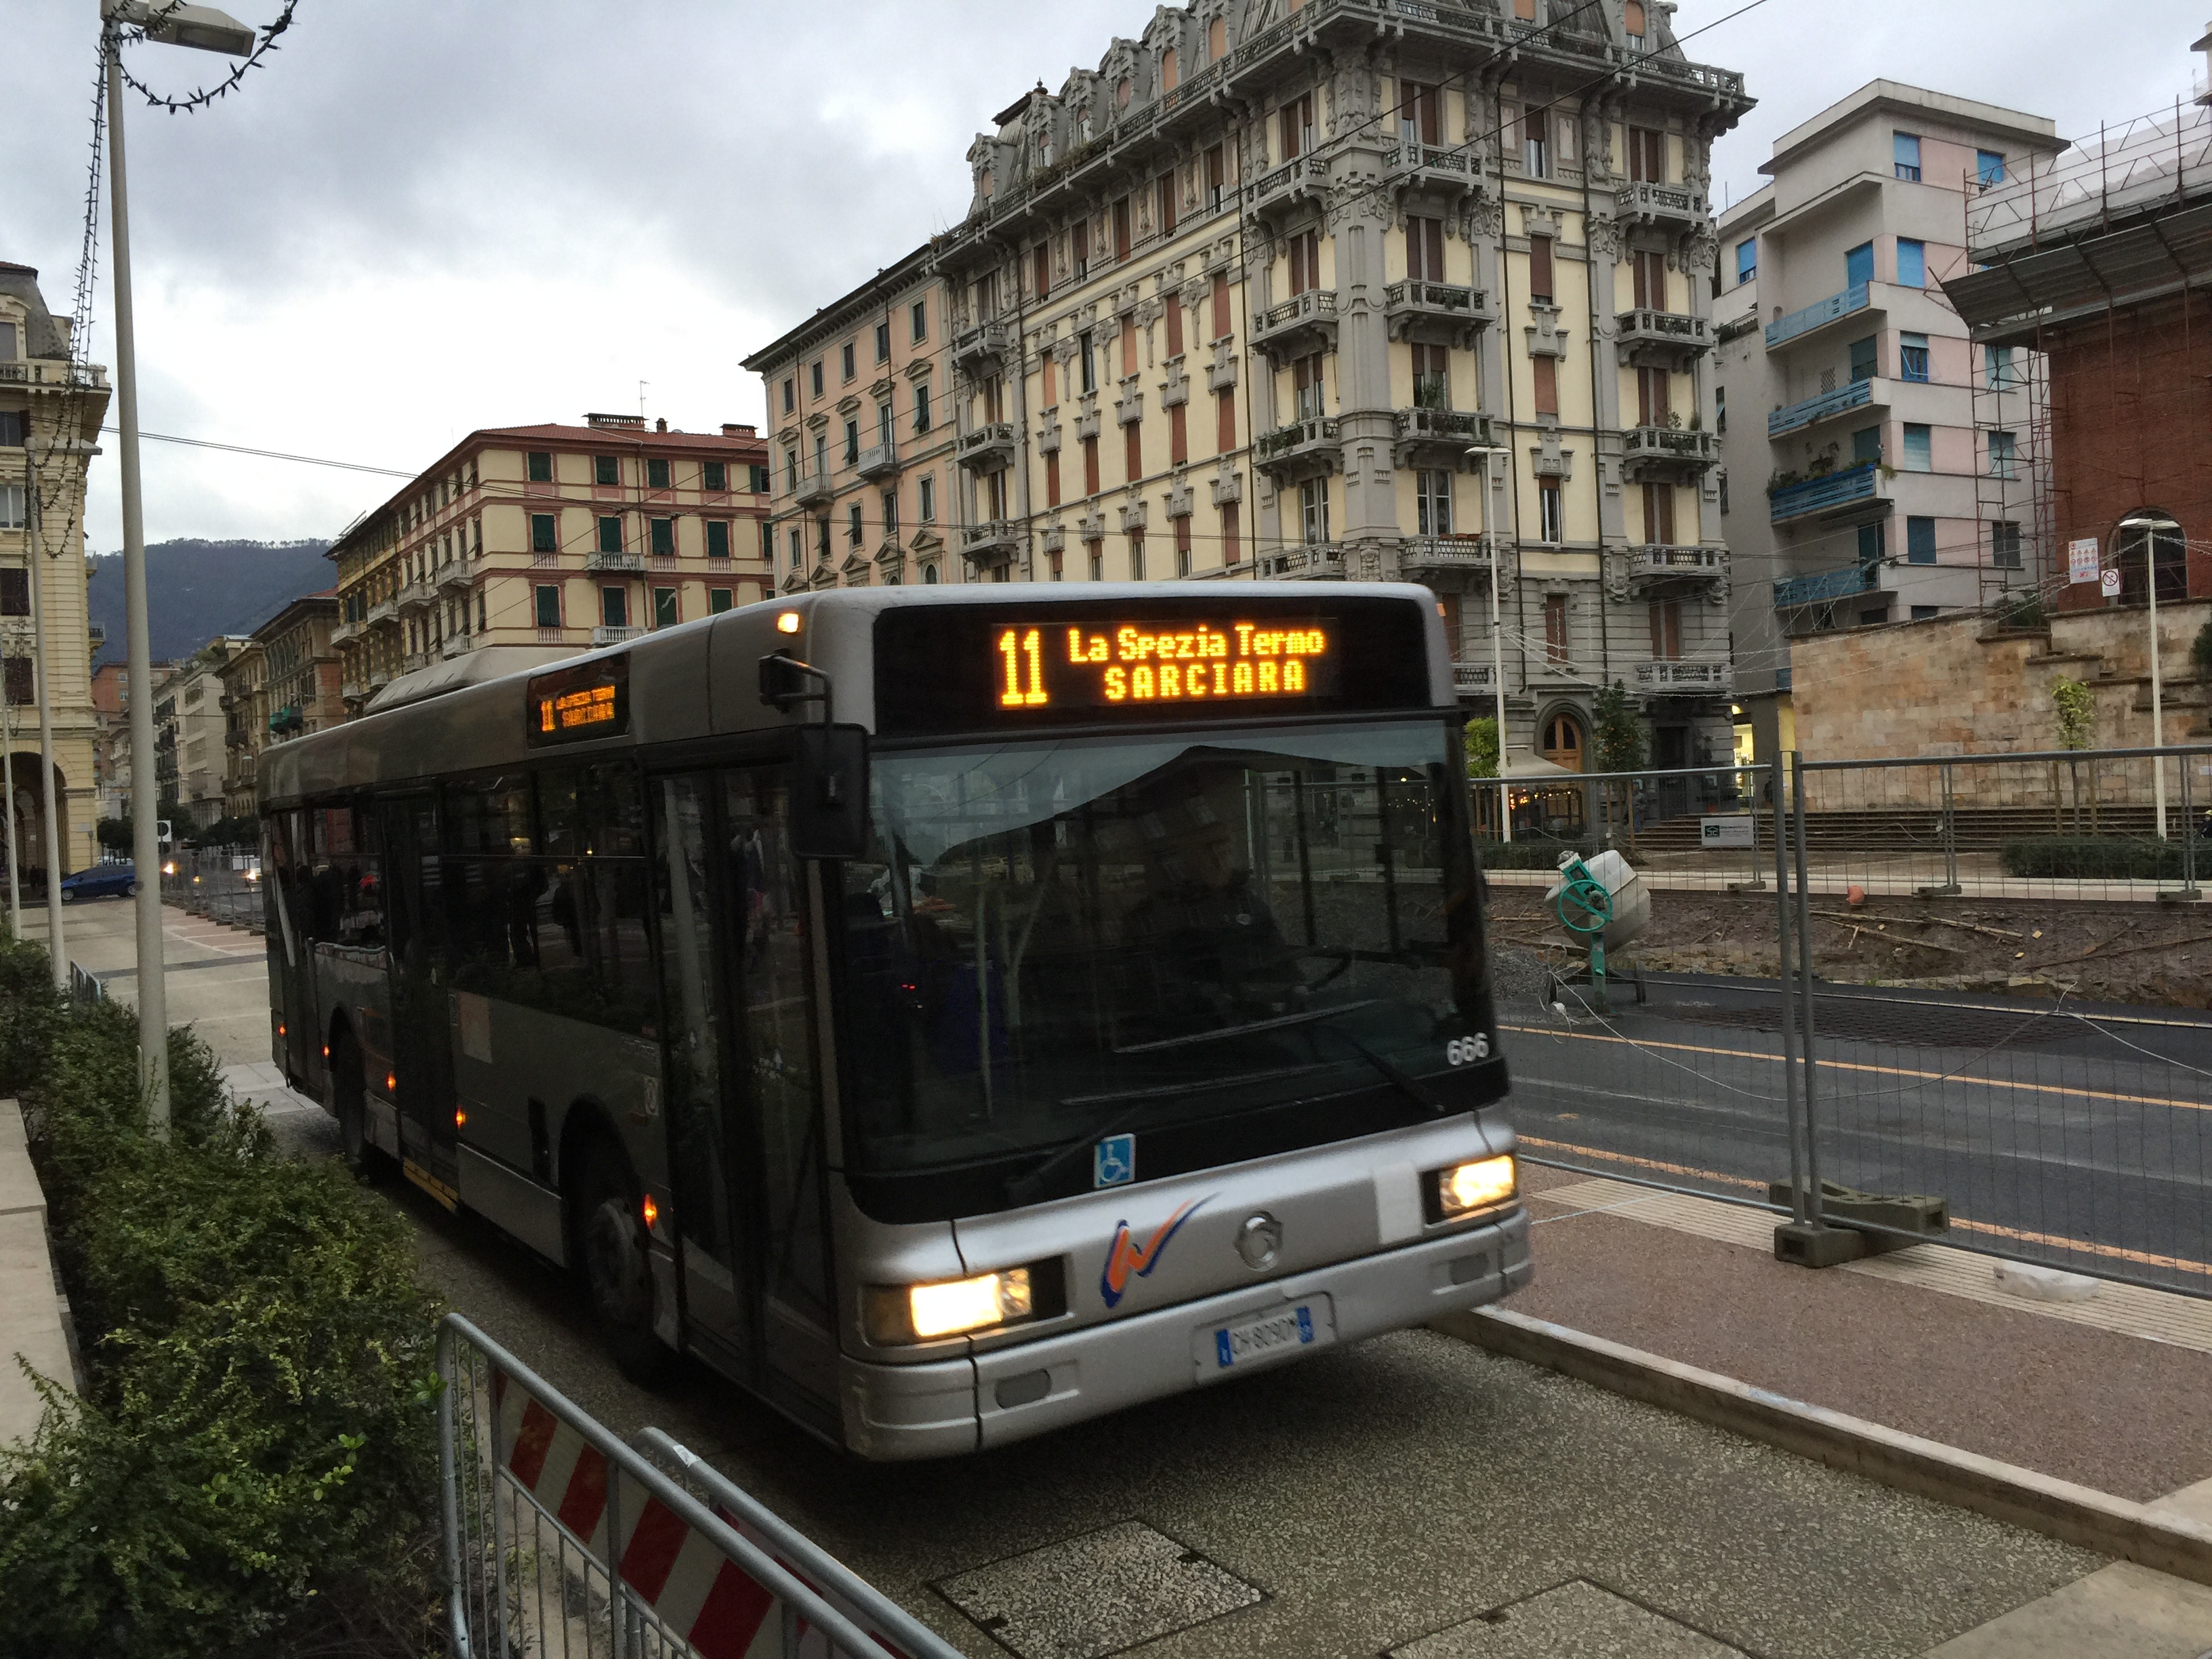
x: 180, y: 25
x: 2151, y: 521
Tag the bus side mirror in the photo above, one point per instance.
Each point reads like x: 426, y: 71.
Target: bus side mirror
x: 829, y: 791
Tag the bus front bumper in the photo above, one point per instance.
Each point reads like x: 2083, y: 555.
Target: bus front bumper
x: 946, y: 1407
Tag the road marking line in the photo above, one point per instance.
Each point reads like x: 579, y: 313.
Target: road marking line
x: 1641, y: 1162
x: 1882, y: 1071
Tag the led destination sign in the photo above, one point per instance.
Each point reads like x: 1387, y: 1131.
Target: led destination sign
x: 1143, y: 662
x: 946, y: 668
x: 575, y: 705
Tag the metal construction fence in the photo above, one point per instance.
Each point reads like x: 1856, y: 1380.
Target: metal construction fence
x: 562, y: 1542
x: 1983, y: 982
x: 221, y: 883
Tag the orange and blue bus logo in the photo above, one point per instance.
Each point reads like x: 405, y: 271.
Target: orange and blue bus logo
x: 1127, y: 1259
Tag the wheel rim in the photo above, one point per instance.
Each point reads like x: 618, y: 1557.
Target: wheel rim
x: 614, y: 1264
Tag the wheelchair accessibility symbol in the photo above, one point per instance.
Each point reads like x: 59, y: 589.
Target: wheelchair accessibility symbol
x: 1114, y: 1161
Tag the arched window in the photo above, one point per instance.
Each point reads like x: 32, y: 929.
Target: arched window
x: 2150, y: 538
x: 1631, y: 19
x: 1563, y: 742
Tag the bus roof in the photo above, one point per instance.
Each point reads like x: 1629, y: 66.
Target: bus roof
x: 702, y: 679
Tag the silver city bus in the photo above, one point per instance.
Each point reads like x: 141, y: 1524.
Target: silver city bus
x: 950, y: 1013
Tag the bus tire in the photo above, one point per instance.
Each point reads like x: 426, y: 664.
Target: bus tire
x: 348, y: 1086
x: 614, y: 1269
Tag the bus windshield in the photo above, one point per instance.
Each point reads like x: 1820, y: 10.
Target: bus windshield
x: 1054, y: 941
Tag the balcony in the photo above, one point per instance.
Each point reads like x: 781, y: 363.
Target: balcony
x: 1650, y: 450
x: 1813, y: 318
x: 1677, y: 679
x: 1651, y: 564
x: 457, y: 574
x: 354, y: 690
x: 1306, y: 445
x: 1303, y: 323
x: 378, y: 679
x: 457, y: 645
x: 413, y: 660
x: 1815, y: 496
x: 343, y: 632
x: 878, y: 459
x: 1308, y: 562
x: 626, y: 563
x: 813, y: 488
x: 415, y: 596
x: 1857, y: 395
x: 1648, y: 336
x: 1674, y: 207
x: 1413, y: 166
x: 608, y: 634
x: 1473, y: 677
x: 1435, y: 307
x: 1444, y: 554
x: 236, y: 739
x: 983, y: 345
x: 1455, y: 430
x: 990, y: 544
x: 988, y: 448
x: 1277, y: 191
x: 1823, y: 587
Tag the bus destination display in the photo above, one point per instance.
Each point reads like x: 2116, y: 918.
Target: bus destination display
x: 576, y: 705
x: 949, y: 668
x: 1143, y: 662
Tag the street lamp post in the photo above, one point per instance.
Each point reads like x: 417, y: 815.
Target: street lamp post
x: 1480, y: 455
x: 210, y: 30
x: 2150, y: 529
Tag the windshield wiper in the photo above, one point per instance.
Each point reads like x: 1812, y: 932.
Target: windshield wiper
x: 1308, y: 1017
x: 1400, y: 1079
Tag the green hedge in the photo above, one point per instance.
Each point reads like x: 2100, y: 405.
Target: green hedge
x: 253, y: 1468
x: 2097, y: 858
x: 1528, y: 854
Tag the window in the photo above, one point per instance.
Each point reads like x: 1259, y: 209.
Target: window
x: 1128, y: 347
x: 542, y: 537
x: 918, y: 320
x: 1649, y: 269
x: 925, y: 509
x: 1097, y: 559
x: 1632, y: 21
x: 1297, y: 122
x: 1659, y: 514
x: 1871, y: 548
x: 1121, y: 227
x: 15, y: 593
x: 1919, y: 448
x: 1911, y: 263
x: 1906, y: 149
x: 1998, y: 367
x: 845, y: 359
x: 17, y: 683
x: 1178, y: 435
x: 852, y: 443
x: 1173, y: 310
x: 1555, y: 630
x: 1313, y: 511
x: 1720, y: 411
x: 767, y: 544
x: 606, y: 470
x: 1989, y: 167
x: 1647, y: 155
x: 1540, y: 268
x: 614, y: 607
x: 1086, y: 345
x: 1919, y: 541
x: 1863, y: 366
x: 929, y: 575
x: 656, y: 475
x: 1546, y: 371
x: 854, y: 534
x: 1167, y: 204
x: 717, y: 538
x: 1217, y: 40
x: 1231, y: 534
x: 1858, y: 266
x: 1052, y: 479
x: 1535, y: 146
x: 1182, y: 545
x: 1216, y: 176
x: 1223, y: 325
x: 1653, y: 402
x: 716, y: 475
x: 2004, y: 450
x: 1431, y: 376
x: 814, y: 377
x: 1136, y: 556
x: 790, y: 394
x: 883, y: 342
x: 1133, y: 451
x: 1170, y: 71
x: 610, y: 535
x: 1866, y: 445
x: 1667, y: 630
x: 1873, y: 616
x: 1305, y: 262
x: 1913, y: 357
x: 797, y: 548
x: 890, y: 514
x: 1419, y: 113
x: 1307, y: 386
x: 1425, y: 249
x: 547, y: 596
x: 2004, y: 544
x: 1747, y: 259
x: 663, y: 538
x: 13, y: 507
x: 664, y: 607
x: 1432, y: 502
x: 1551, y: 510
x: 1926, y: 612
x: 719, y: 599
x: 1224, y: 420
x: 1078, y: 248
x: 822, y: 539
x: 541, y: 467
x: 1090, y: 466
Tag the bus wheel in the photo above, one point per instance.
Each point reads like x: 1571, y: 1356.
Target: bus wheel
x: 349, y: 1090
x: 614, y: 1265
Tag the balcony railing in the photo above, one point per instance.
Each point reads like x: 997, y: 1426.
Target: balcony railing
x: 1662, y: 678
x: 457, y: 645
x: 1300, y: 317
x: 621, y: 562
x: 1646, y: 330
x: 354, y: 690
x: 1470, y: 429
x: 1297, y: 441
x: 1448, y: 165
x: 1652, y: 446
x: 878, y: 458
x: 1783, y: 329
x: 1790, y: 418
x: 383, y: 611
x: 1445, y: 553
x: 1472, y: 676
x: 992, y: 543
x: 1655, y: 203
x: 1654, y: 562
x: 1820, y: 494
x: 809, y: 488
x: 987, y: 448
x: 1823, y: 586
x: 1292, y: 179
x: 986, y: 341
x: 343, y: 631
x: 609, y: 634
x: 458, y: 573
x: 1305, y: 562
x: 415, y: 596
x: 1451, y: 303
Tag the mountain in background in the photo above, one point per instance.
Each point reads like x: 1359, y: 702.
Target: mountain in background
x: 196, y: 590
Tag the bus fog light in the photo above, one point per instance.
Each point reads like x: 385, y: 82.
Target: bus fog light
x: 1479, y: 1186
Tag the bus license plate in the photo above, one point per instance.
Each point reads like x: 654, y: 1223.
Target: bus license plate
x: 1298, y: 1326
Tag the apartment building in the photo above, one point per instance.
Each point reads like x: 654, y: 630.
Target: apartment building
x: 545, y: 541
x: 861, y: 428
x: 191, y: 757
x: 1303, y: 265
x: 1880, y: 465
x: 51, y: 409
x: 245, y: 704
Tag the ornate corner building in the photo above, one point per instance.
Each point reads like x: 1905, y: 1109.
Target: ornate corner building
x: 1240, y: 302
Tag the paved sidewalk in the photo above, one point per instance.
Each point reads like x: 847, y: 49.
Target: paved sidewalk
x: 31, y: 1311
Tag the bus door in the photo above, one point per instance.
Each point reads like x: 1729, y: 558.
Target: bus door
x: 287, y: 868
x: 421, y: 1017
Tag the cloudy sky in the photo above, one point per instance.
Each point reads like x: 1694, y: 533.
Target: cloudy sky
x: 426, y: 216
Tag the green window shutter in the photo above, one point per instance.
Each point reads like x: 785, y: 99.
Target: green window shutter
x: 542, y: 539
x: 610, y: 535
x: 717, y: 538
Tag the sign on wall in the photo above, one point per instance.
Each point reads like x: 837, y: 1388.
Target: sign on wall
x: 2082, y: 560
x: 2108, y: 581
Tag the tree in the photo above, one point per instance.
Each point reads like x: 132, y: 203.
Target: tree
x: 2076, y: 707
x: 1482, y: 756
x: 1617, y: 745
x: 114, y: 834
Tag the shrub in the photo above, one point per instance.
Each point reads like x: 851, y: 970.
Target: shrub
x: 1530, y: 854
x: 252, y: 1466
x: 2200, y: 652
x: 2103, y: 858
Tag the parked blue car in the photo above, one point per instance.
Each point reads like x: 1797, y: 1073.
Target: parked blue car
x: 100, y: 881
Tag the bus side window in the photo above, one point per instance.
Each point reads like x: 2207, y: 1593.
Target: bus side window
x: 592, y: 809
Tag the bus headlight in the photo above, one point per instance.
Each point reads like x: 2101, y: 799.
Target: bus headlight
x: 896, y: 1314
x: 1482, y: 1185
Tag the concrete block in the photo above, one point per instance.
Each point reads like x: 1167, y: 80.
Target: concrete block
x: 1804, y: 1244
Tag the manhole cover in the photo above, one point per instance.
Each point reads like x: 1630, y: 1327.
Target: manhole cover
x: 1577, y: 1617
x: 1098, y: 1593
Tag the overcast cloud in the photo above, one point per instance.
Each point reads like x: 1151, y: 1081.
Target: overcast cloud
x: 425, y: 217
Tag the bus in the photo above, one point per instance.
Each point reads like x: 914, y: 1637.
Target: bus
x: 950, y: 1013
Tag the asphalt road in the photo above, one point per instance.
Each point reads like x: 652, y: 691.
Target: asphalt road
x: 1410, y: 1490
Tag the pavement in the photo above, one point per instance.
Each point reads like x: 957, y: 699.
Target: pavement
x: 1425, y: 1497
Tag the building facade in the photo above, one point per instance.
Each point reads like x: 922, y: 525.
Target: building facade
x: 1882, y: 466
x: 556, y: 537
x: 191, y: 757
x: 1239, y: 302
x: 51, y: 409
x: 245, y: 703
